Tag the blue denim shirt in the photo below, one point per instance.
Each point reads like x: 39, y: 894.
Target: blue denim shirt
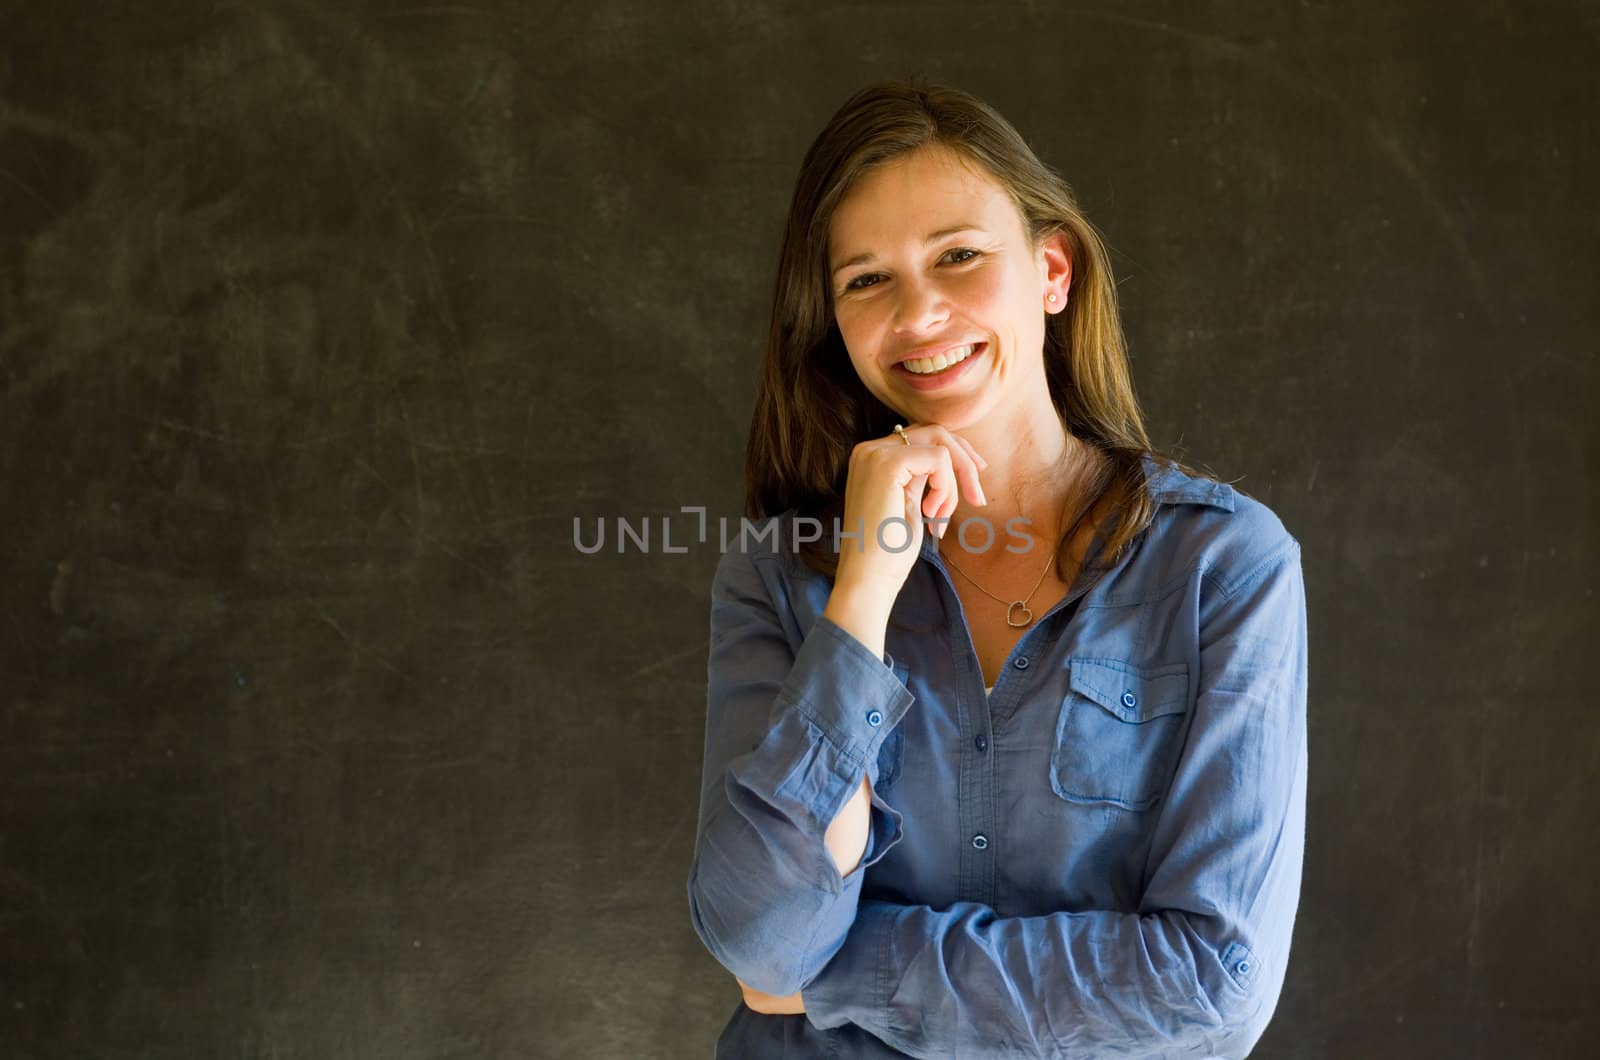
x: 1100, y: 859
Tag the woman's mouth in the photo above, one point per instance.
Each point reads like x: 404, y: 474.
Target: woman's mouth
x: 925, y: 373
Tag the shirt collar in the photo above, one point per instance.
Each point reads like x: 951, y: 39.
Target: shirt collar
x: 1170, y: 486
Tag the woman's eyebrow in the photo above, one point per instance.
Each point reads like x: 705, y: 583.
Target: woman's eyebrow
x: 861, y: 259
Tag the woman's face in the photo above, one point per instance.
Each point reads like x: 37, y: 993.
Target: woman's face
x: 929, y: 258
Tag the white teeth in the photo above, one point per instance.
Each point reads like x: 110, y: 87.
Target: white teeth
x: 939, y: 362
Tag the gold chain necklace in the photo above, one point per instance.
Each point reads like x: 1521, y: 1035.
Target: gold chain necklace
x: 1012, y: 606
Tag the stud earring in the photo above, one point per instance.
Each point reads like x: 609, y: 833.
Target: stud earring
x: 1052, y: 298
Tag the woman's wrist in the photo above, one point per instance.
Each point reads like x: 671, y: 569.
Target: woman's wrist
x: 861, y: 611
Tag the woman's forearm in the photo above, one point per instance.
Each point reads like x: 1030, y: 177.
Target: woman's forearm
x: 863, y: 613
x: 846, y: 838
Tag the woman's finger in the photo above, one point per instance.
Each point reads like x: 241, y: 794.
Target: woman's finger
x: 917, y: 499
x: 983, y: 465
x: 965, y: 460
x: 949, y: 488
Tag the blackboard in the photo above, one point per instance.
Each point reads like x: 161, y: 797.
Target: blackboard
x: 320, y: 324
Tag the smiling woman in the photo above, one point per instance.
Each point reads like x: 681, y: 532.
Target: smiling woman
x: 987, y: 801
x: 945, y: 314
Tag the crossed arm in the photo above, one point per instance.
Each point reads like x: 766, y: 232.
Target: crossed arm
x: 846, y: 840
x: 1197, y: 967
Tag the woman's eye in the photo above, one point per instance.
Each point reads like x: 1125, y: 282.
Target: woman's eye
x: 857, y: 285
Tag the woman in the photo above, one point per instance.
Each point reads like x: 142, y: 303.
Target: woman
x: 1035, y: 791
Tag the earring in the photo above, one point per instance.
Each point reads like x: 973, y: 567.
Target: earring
x: 1052, y: 298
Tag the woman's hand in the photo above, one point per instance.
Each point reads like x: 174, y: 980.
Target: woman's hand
x: 888, y: 479
x: 770, y: 1004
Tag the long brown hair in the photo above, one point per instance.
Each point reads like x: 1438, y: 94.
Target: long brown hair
x: 811, y: 408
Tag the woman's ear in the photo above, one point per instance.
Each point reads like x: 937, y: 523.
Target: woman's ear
x: 1056, y: 259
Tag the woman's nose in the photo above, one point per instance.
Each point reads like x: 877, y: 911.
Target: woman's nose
x: 919, y: 307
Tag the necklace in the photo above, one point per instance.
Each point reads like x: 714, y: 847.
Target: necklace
x: 1015, y: 605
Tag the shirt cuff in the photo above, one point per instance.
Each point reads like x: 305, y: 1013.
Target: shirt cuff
x: 852, y: 695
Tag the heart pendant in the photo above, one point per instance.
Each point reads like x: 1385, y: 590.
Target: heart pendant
x: 1027, y: 616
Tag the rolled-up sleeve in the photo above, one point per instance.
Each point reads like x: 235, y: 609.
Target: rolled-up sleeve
x: 790, y: 733
x: 1197, y: 970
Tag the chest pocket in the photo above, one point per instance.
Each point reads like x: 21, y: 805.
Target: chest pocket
x: 1119, y: 732
x: 891, y: 753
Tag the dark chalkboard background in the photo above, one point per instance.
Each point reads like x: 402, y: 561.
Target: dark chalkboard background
x: 320, y: 322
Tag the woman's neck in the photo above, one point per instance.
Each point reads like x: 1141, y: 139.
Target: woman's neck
x: 1037, y: 471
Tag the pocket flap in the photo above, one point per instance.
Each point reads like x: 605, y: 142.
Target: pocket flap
x: 1131, y: 694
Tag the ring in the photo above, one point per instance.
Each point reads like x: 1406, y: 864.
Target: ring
x: 900, y: 429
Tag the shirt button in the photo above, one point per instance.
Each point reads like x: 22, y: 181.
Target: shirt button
x: 874, y: 717
x: 1244, y: 967
x: 1128, y: 699
x: 981, y: 740
x: 980, y: 841
x: 1021, y: 663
